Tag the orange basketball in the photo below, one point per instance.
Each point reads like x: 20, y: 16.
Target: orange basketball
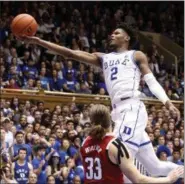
x: 24, y: 24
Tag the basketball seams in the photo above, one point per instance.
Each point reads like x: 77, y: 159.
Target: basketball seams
x: 13, y: 25
x: 23, y: 24
x: 26, y: 26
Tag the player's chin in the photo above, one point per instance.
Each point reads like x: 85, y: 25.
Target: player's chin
x: 111, y: 44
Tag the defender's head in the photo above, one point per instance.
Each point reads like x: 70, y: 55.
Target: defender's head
x: 123, y: 34
x: 100, y: 119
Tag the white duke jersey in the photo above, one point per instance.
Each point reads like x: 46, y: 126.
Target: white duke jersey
x: 122, y: 75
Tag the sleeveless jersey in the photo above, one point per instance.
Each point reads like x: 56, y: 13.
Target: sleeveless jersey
x: 122, y: 75
x: 97, y: 166
x: 21, y: 173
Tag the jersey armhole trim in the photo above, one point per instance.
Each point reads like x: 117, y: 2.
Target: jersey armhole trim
x: 84, y: 140
x: 135, y: 62
x: 101, y: 61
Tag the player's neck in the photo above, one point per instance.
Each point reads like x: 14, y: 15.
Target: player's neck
x: 21, y: 161
x: 109, y: 130
x: 122, y: 48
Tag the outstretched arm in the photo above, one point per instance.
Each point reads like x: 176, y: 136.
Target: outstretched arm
x: 64, y: 51
x: 119, y: 154
x: 152, y: 83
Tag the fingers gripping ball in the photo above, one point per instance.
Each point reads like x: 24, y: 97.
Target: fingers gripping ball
x: 24, y: 24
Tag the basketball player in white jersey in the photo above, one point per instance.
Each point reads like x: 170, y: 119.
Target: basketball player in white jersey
x: 122, y: 72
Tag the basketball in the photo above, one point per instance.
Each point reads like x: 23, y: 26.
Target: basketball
x: 24, y: 24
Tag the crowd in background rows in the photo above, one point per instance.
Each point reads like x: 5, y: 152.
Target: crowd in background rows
x: 52, y: 137
x: 83, y: 26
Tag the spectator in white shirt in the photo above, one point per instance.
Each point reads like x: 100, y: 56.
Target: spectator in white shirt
x: 8, y: 135
x: 84, y: 117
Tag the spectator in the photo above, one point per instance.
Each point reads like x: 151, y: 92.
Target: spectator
x: 53, y: 169
x: 70, y: 84
x: 51, y: 179
x: 76, y: 180
x: 39, y: 164
x: 19, y: 137
x: 59, y: 135
x: 84, y: 89
x: 176, y: 157
x: 12, y: 84
x: 69, y: 69
x: 8, y: 134
x: 32, y: 178
x: 71, y: 171
x: 29, y: 70
x: 85, y: 116
x: 161, y: 140
x: 22, y: 123
x: 6, y: 149
x: 63, y: 128
x: 21, y: 168
x: 43, y: 79
x: 54, y: 82
x: 6, y: 176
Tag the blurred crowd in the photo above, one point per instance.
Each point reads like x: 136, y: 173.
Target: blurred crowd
x: 48, y: 140
x: 52, y: 138
x: 83, y: 26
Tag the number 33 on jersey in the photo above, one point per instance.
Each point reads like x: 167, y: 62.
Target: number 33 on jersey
x: 97, y: 166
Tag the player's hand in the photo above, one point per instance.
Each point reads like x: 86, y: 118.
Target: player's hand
x: 52, y: 150
x: 29, y: 39
x: 175, y: 174
x: 173, y: 109
x: 42, y: 163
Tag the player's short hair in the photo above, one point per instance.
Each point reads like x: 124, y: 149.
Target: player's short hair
x: 18, y: 133
x: 70, y: 121
x: 129, y: 30
x: 23, y: 149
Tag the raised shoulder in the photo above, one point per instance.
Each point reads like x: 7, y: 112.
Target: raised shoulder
x: 142, y: 61
x: 140, y: 56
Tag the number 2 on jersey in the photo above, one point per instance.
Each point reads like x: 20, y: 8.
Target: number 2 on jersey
x: 114, y: 71
x: 94, y: 170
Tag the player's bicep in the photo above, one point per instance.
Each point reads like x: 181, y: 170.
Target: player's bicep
x: 117, y: 151
x: 86, y: 57
x: 142, y: 61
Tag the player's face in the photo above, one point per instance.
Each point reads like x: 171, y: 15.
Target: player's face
x: 118, y: 37
x: 51, y: 180
x: 32, y: 178
x: 19, y: 138
x: 22, y: 154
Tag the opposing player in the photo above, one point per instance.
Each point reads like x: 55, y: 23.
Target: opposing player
x: 106, y: 158
x: 122, y: 72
